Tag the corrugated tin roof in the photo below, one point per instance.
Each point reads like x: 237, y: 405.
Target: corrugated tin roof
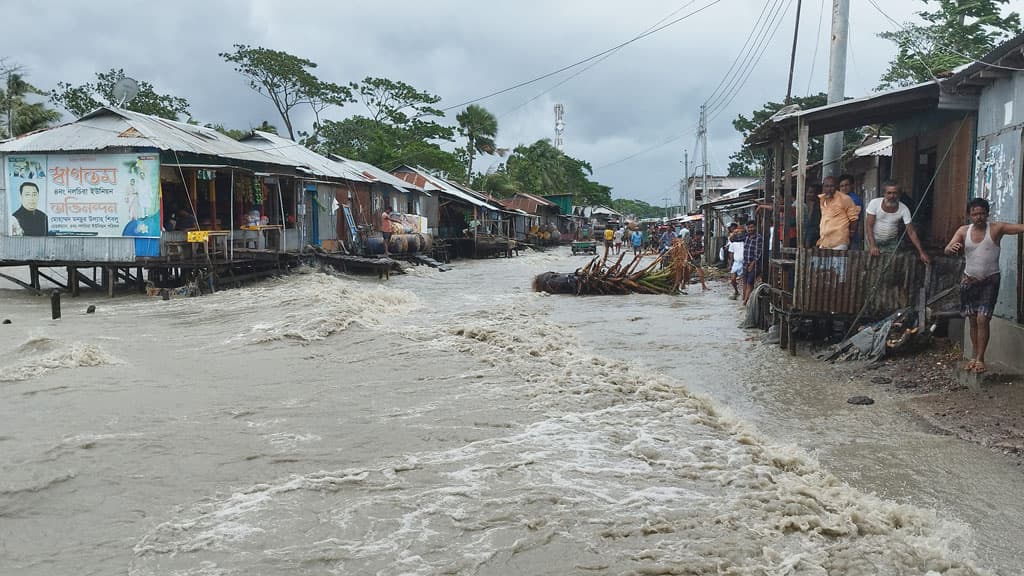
x: 374, y: 174
x: 298, y: 155
x: 881, y: 148
x: 113, y: 128
x: 431, y: 182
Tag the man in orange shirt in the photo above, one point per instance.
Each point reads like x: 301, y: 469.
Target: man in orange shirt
x: 839, y: 216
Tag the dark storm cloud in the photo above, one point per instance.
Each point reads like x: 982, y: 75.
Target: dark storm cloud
x: 641, y: 95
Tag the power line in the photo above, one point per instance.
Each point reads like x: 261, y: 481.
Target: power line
x: 773, y: 23
x: 585, y: 60
x: 644, y: 151
x: 817, y: 42
x: 719, y: 108
x: 757, y: 24
x: 595, y: 63
x: 919, y: 52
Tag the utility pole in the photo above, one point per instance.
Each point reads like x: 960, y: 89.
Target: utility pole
x: 836, y: 81
x: 684, y: 187
x: 792, y: 55
x: 704, y: 150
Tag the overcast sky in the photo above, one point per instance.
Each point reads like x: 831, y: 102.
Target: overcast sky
x: 644, y: 94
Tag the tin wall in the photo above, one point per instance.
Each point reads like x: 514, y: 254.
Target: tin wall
x: 997, y: 175
x: 839, y: 282
x: 67, y: 249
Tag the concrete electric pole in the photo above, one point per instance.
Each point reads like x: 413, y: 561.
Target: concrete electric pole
x: 836, y: 81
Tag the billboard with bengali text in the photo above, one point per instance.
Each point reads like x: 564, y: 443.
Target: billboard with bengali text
x: 83, y: 195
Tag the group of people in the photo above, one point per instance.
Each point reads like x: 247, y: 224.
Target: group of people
x: 833, y: 216
x: 744, y: 250
x: 832, y: 222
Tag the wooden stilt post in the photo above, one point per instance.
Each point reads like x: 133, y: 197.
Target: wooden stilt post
x: 140, y: 280
x: 73, y: 280
x: 109, y: 277
x: 33, y: 275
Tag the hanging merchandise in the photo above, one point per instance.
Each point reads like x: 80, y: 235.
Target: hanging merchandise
x: 257, y: 191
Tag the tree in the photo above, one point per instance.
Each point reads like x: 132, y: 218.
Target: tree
x: 80, y: 100
x: 398, y: 129
x: 288, y: 82
x: 954, y: 33
x: 18, y: 115
x: 387, y: 100
x: 479, y: 127
x: 749, y: 161
x: 541, y: 168
x: 637, y: 208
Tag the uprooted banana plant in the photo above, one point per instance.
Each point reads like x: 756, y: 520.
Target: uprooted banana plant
x: 600, y: 277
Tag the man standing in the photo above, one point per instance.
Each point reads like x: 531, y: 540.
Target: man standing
x: 838, y: 216
x: 609, y: 236
x: 617, y: 239
x: 753, y: 248
x: 812, y: 215
x: 385, y: 229
x: 883, y: 223
x: 695, y: 248
x: 33, y: 222
x: 637, y: 238
x: 979, y: 287
x: 736, y: 263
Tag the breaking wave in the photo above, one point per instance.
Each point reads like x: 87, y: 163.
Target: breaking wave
x: 311, y: 307
x: 40, y: 355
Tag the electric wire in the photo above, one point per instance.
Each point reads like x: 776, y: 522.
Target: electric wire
x: 644, y: 151
x: 750, y: 70
x: 585, y: 60
x: 772, y: 26
x: 918, y: 52
x: 756, y: 48
x: 760, y: 19
x: 592, y: 64
x: 817, y: 42
x: 892, y: 256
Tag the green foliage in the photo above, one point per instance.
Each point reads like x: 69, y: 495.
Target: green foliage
x: 953, y: 33
x: 748, y: 161
x: 389, y: 100
x: 637, y: 208
x: 540, y: 168
x: 498, y: 183
x: 392, y: 135
x: 80, y: 100
x: 238, y: 134
x: 17, y: 115
x: 479, y: 127
x: 288, y: 82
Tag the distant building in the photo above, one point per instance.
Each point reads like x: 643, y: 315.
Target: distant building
x: 695, y: 195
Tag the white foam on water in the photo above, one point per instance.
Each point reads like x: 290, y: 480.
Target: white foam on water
x: 612, y: 468
x: 40, y: 355
x: 312, y: 307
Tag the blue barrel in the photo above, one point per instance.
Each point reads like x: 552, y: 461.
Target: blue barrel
x: 374, y: 245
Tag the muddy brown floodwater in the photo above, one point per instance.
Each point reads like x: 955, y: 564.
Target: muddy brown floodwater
x: 458, y: 423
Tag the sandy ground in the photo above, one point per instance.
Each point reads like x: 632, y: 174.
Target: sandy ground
x: 933, y: 388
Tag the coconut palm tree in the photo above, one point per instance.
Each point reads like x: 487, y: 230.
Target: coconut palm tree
x: 479, y: 127
x: 19, y: 116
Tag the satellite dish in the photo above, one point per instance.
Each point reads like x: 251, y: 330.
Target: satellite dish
x: 124, y: 90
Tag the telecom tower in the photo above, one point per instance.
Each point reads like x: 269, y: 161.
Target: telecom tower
x: 559, y: 125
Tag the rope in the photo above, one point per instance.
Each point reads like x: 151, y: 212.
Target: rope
x: 892, y: 255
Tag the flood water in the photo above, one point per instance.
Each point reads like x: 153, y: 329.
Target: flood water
x: 457, y: 423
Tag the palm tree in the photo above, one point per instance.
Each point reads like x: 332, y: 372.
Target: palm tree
x: 479, y: 127
x: 20, y: 117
